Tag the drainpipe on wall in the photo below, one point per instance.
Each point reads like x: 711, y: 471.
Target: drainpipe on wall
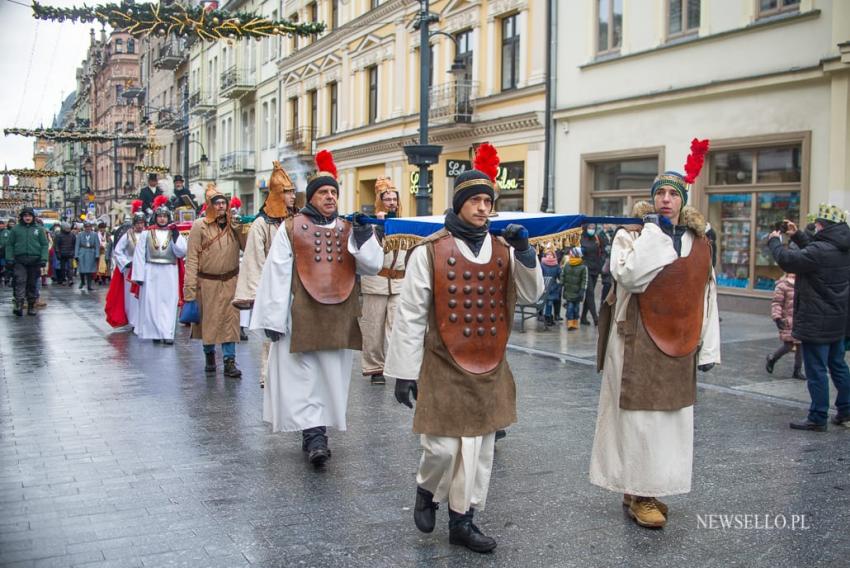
x: 547, y: 203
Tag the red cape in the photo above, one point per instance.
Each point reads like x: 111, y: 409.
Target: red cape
x: 116, y: 315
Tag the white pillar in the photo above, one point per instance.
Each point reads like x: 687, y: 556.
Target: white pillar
x: 490, y: 83
x: 400, y: 64
x: 345, y: 99
x: 535, y: 36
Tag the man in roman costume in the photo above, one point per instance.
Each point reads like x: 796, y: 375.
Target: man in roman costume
x: 659, y: 325
x: 447, y: 349
x: 212, y: 265
x: 381, y: 292
x: 280, y: 199
x: 155, y: 270
x: 125, y: 249
x: 307, y: 303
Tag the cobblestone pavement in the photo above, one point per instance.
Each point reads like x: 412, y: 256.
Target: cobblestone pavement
x: 116, y: 452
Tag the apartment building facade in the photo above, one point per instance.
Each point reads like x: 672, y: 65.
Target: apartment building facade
x: 355, y: 91
x: 768, y: 81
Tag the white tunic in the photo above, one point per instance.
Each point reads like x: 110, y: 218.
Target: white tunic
x: 160, y: 291
x: 642, y: 452
x: 123, y: 256
x: 303, y: 390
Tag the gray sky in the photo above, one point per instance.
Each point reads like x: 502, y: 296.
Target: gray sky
x: 33, y: 93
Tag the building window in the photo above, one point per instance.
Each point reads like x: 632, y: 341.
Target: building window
x: 375, y: 3
x: 334, y: 14
x: 131, y: 173
x: 774, y: 7
x: 264, y: 141
x: 293, y: 112
x: 373, y: 93
x: 313, y: 100
x: 119, y: 46
x: 274, y: 133
x: 616, y: 184
x: 293, y: 39
x: 682, y: 17
x: 118, y: 90
x: 131, y: 126
x: 313, y: 10
x: 609, y: 29
x: 750, y: 190
x: 465, y: 53
x: 131, y: 46
x: 510, y: 52
x: 118, y: 126
x: 334, y: 111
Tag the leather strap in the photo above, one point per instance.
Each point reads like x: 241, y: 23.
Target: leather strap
x: 391, y: 273
x: 223, y: 277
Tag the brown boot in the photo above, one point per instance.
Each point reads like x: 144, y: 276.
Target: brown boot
x: 645, y: 513
x: 572, y: 324
x: 627, y: 500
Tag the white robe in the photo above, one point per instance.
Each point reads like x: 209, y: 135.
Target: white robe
x: 123, y: 257
x: 303, y: 390
x: 160, y: 291
x: 646, y: 452
x: 456, y: 470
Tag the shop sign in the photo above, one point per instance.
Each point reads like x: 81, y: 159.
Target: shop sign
x: 414, y: 181
x: 511, y: 177
x: 456, y: 167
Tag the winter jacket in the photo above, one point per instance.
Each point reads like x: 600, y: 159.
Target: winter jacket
x: 27, y: 244
x: 593, y: 251
x: 4, y: 238
x: 574, y: 281
x: 822, y: 290
x: 552, y: 278
x: 782, y: 308
x: 64, y: 243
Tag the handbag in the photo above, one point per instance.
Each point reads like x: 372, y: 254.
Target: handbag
x: 190, y: 313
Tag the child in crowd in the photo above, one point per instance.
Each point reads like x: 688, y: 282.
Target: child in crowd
x: 574, y: 282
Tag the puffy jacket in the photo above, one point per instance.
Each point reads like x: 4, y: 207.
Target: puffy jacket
x: 552, y: 278
x: 574, y: 281
x: 822, y: 289
x: 782, y: 307
x: 64, y: 243
x: 27, y: 244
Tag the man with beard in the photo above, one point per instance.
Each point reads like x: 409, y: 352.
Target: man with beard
x: 148, y: 193
x: 86, y: 251
x: 125, y: 249
x: 27, y: 251
x: 307, y: 303
x: 212, y: 264
x: 155, y: 270
x: 277, y: 207
x: 657, y: 327
x: 381, y: 292
x: 447, y: 349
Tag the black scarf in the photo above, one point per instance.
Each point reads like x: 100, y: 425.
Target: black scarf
x: 472, y: 236
x: 317, y: 217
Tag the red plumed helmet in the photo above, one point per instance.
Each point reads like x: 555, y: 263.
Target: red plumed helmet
x: 696, y: 159
x: 325, y: 163
x: 235, y: 202
x: 203, y: 209
x: 136, y: 206
x: 487, y: 160
x: 159, y: 201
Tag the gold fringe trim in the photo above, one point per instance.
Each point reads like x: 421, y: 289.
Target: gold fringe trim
x: 555, y: 241
x: 401, y: 242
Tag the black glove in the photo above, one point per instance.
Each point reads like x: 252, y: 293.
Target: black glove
x: 362, y: 231
x: 403, y: 389
x: 780, y: 325
x: 516, y: 236
x: 272, y: 334
x: 706, y: 368
x: 175, y: 232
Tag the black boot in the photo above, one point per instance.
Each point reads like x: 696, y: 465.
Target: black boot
x: 31, y: 308
x: 425, y: 510
x: 769, y: 363
x: 230, y: 368
x: 798, y: 374
x: 82, y: 282
x: 18, y: 310
x: 464, y: 533
x: 209, y: 367
x: 315, y: 443
x: 807, y: 425
x: 378, y: 379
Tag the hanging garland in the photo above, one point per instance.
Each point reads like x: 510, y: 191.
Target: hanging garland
x: 31, y: 173
x: 207, y: 23
x: 67, y: 135
x: 152, y: 169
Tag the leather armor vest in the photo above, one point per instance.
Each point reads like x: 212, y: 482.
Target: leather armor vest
x: 160, y: 252
x: 326, y: 268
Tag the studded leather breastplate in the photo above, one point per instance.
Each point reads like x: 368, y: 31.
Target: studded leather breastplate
x: 325, y: 267
x: 159, y: 247
x: 471, y: 305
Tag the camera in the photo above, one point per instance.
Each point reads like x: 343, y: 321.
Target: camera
x: 781, y: 226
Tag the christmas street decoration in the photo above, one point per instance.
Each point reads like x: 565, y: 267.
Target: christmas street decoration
x: 205, y: 22
x: 31, y: 173
x: 152, y: 169
x: 73, y: 135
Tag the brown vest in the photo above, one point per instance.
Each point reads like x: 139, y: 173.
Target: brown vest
x: 465, y: 384
x: 661, y: 335
x: 325, y: 294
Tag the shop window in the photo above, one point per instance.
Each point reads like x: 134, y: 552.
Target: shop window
x: 767, y: 189
x: 618, y: 184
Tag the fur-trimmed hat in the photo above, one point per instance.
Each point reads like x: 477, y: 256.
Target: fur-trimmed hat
x: 326, y: 174
x: 385, y: 185
x: 279, y: 182
x: 212, y: 194
x: 480, y: 179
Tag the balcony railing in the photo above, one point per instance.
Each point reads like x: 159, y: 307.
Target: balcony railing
x: 237, y: 164
x: 300, y: 140
x: 453, y: 102
x: 236, y: 82
x: 201, y: 103
x: 171, y: 54
x: 201, y: 171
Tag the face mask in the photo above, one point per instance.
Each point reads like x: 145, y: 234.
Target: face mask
x: 591, y: 232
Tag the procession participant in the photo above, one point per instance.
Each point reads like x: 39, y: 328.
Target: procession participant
x: 87, y: 248
x: 652, y: 340
x: 183, y: 197
x: 155, y: 270
x: 148, y: 193
x: 212, y: 264
x: 307, y: 303
x: 102, y: 274
x: 26, y: 252
x: 64, y: 246
x: 125, y: 249
x: 381, y: 292
x: 447, y: 349
x: 275, y: 209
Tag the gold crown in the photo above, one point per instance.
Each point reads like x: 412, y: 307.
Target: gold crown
x: 831, y: 213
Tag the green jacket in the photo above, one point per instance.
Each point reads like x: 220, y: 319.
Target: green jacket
x: 4, y: 238
x: 574, y: 281
x: 27, y: 240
